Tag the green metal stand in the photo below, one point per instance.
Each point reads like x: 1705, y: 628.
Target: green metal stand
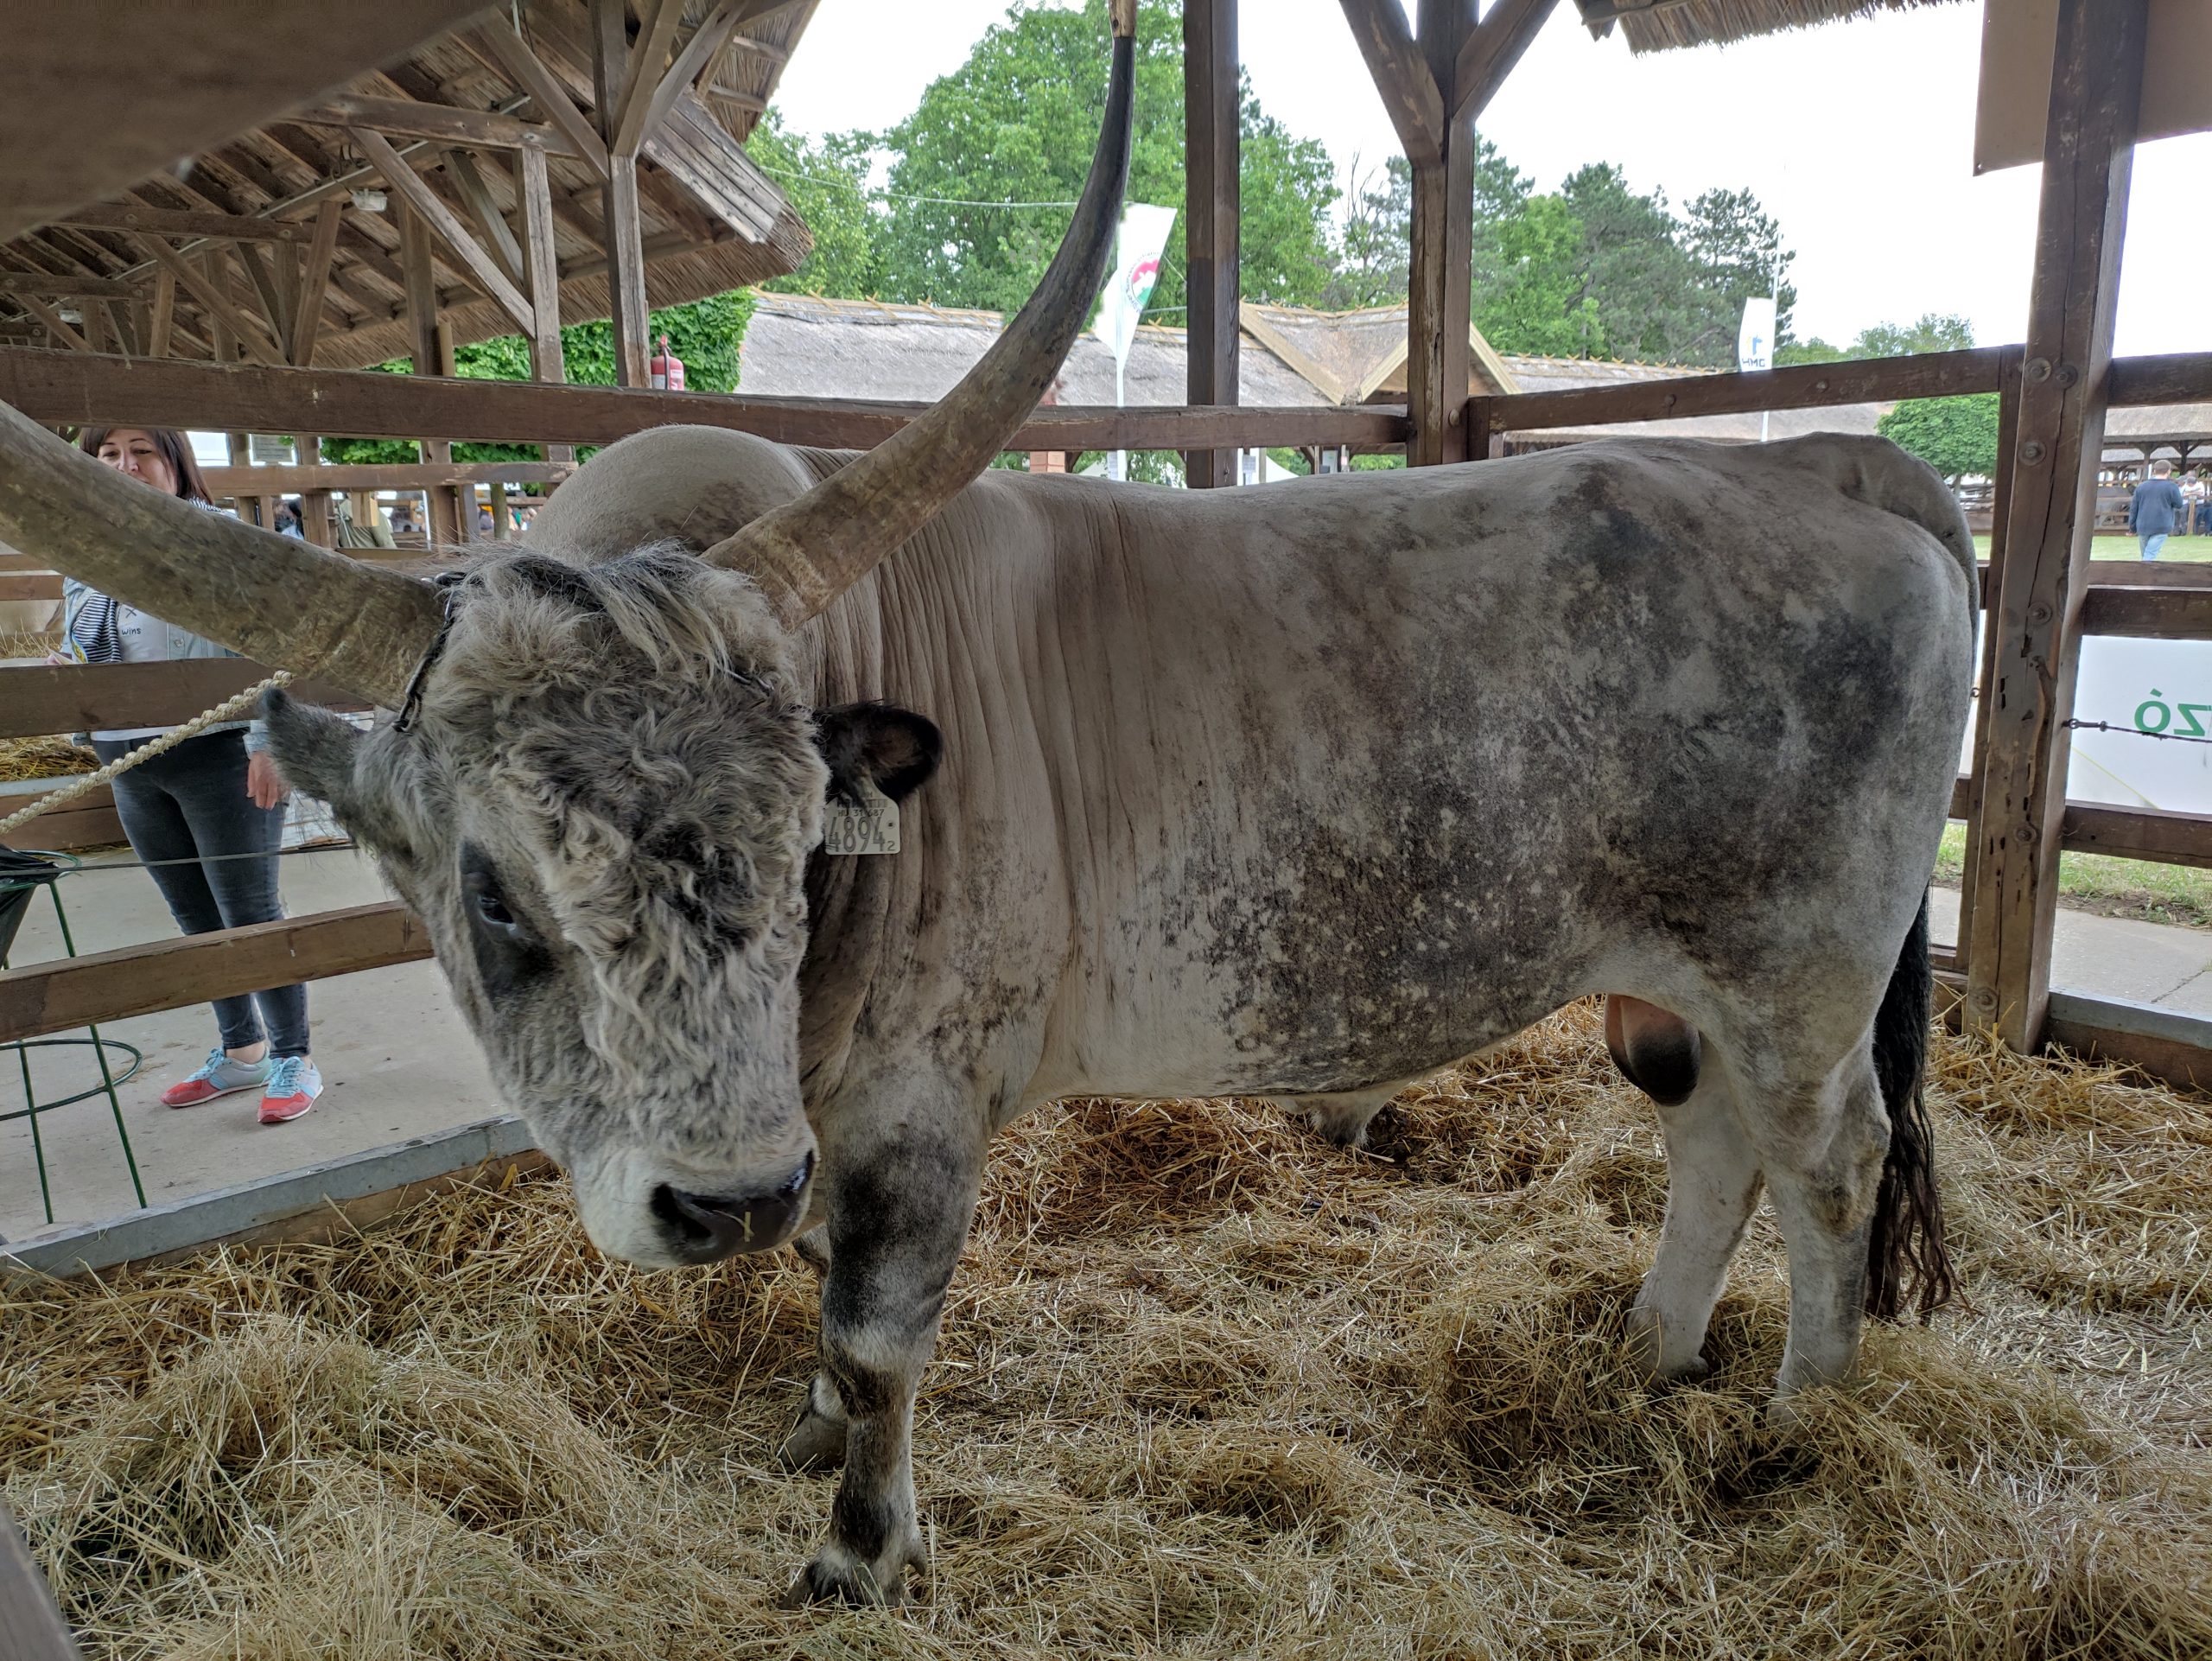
x: 21, y: 874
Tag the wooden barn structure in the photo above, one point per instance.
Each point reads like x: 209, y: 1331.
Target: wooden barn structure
x: 587, y: 103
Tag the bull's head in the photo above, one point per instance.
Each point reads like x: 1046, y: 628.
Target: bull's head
x: 607, y: 782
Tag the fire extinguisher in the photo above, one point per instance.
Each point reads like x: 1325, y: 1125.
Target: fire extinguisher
x: 666, y: 368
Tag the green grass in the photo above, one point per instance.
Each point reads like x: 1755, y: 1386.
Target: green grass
x: 2183, y: 550
x: 2108, y: 887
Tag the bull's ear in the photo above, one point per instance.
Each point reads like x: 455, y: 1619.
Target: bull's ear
x: 894, y: 749
x: 320, y: 753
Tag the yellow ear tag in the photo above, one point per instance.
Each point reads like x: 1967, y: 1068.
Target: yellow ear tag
x: 867, y: 826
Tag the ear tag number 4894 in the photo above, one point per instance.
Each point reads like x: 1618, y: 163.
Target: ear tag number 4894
x: 868, y: 824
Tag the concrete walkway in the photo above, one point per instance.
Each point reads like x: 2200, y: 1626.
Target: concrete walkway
x: 2115, y: 956
x: 397, y: 1062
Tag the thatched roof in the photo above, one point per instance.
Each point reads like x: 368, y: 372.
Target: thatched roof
x: 802, y: 345
x: 2157, y: 429
x: 285, y: 168
x: 1657, y: 25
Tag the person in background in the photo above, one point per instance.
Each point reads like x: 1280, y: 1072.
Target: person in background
x: 288, y: 519
x: 2155, y: 508
x: 207, y: 817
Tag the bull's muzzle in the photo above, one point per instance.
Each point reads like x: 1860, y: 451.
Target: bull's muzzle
x: 705, y: 1228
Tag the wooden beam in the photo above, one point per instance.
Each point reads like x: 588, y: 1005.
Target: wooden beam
x: 161, y: 326
x: 484, y: 217
x: 513, y: 54
x: 1212, y: 88
x: 221, y: 308
x: 1804, y: 386
x: 67, y: 387
x: 1402, y: 75
x: 56, y: 325
x: 1439, y: 300
x: 625, y: 254
x: 2147, y: 613
x: 441, y: 124
x: 69, y: 992
x: 1492, y: 49
x: 377, y: 475
x: 46, y: 698
x: 315, y: 283
x: 547, y: 361
x: 265, y: 283
x: 178, y: 222
x: 699, y: 52
x: 641, y: 77
x: 2172, y: 378
x: 66, y: 286
x: 430, y: 210
x: 2096, y: 88
x: 2148, y: 833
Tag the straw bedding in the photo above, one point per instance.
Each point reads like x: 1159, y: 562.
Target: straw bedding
x: 1207, y: 1387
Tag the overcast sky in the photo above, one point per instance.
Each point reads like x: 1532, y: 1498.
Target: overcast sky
x: 1858, y: 137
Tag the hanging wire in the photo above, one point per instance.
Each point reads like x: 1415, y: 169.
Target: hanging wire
x: 894, y: 195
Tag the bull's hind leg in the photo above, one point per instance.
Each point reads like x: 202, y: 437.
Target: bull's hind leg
x: 1821, y: 1136
x: 1343, y: 1118
x: 1712, y: 1186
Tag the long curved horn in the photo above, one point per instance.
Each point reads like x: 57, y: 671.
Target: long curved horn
x: 284, y: 602
x: 808, y: 551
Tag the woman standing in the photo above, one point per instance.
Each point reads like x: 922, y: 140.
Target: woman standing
x: 207, y: 817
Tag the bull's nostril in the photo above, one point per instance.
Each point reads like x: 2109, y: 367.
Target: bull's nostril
x: 690, y: 1226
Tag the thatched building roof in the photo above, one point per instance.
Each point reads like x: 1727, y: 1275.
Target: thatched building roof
x: 728, y: 228
x: 1658, y: 25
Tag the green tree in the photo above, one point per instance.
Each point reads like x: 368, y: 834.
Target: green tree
x: 1735, y: 251
x: 1932, y: 331
x: 1957, y: 436
x: 1015, y: 125
x: 826, y: 180
x: 1535, y: 297
x: 1641, y: 280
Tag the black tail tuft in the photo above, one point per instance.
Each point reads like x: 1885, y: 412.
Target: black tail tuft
x: 1907, y: 1240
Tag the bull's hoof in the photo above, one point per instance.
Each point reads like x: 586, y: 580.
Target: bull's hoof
x: 836, y: 1576
x: 816, y: 1443
x: 1646, y: 1344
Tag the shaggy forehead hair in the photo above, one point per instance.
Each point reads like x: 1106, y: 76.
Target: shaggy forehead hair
x: 634, y: 731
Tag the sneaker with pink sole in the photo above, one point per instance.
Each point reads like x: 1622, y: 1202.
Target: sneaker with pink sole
x: 292, y: 1087
x: 220, y: 1076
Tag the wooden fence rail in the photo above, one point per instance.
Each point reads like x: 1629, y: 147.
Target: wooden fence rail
x: 43, y: 699
x: 66, y: 993
x: 75, y: 387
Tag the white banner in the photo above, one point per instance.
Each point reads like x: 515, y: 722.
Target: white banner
x: 2154, y: 746
x: 1143, y: 238
x: 1755, y: 340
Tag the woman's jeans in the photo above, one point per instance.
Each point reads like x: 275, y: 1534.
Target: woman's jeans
x: 191, y: 803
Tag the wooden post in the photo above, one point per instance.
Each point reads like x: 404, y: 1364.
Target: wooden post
x: 2088, y: 150
x: 542, y: 273
x: 2008, y: 442
x: 1211, y: 206
x: 315, y: 505
x: 1440, y: 308
x: 625, y: 247
x: 426, y: 340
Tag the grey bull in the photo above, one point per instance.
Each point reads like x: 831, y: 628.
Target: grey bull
x: 1302, y: 792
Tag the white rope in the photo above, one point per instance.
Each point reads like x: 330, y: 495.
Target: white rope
x: 145, y: 752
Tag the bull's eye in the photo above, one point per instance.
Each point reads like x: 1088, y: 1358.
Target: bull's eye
x: 494, y: 910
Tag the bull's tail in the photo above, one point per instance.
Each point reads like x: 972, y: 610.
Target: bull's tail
x: 1906, y: 1242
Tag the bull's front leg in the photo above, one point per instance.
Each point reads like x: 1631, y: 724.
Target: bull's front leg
x: 902, y: 1190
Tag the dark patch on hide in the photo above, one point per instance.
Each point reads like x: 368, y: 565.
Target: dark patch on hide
x: 557, y: 580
